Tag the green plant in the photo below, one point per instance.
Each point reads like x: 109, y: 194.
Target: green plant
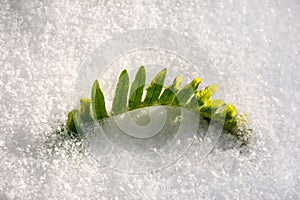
x: 188, y: 97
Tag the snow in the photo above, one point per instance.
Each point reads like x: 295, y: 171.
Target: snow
x: 252, y: 45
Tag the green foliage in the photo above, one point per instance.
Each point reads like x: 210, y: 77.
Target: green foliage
x: 98, y: 102
x: 208, y: 110
x: 230, y: 111
x: 86, y: 109
x: 206, y: 93
x: 120, y: 99
x: 188, y: 97
x: 73, y: 123
x: 186, y: 92
x: 137, y: 89
x: 169, y: 93
x: 155, y: 88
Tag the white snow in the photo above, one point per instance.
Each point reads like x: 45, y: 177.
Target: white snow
x: 254, y: 45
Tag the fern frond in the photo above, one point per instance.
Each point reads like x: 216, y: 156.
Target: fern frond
x: 187, y: 97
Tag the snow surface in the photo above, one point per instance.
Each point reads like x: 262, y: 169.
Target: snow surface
x: 254, y: 45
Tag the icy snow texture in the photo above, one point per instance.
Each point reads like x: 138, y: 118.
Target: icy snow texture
x: 254, y: 44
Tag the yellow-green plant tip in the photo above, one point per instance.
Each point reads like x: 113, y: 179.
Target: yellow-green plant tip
x: 206, y: 93
x: 86, y: 109
x: 195, y: 83
x: 231, y: 111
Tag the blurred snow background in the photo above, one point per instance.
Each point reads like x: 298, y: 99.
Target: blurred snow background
x: 254, y: 44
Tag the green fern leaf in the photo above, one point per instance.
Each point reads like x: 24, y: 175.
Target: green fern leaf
x: 186, y: 92
x: 73, y: 123
x: 137, y: 89
x: 120, y: 99
x: 98, y: 102
x: 193, y: 104
x: 85, y: 109
x: 210, y: 107
x: 155, y: 88
x: 230, y: 111
x: 169, y: 93
x: 206, y: 93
